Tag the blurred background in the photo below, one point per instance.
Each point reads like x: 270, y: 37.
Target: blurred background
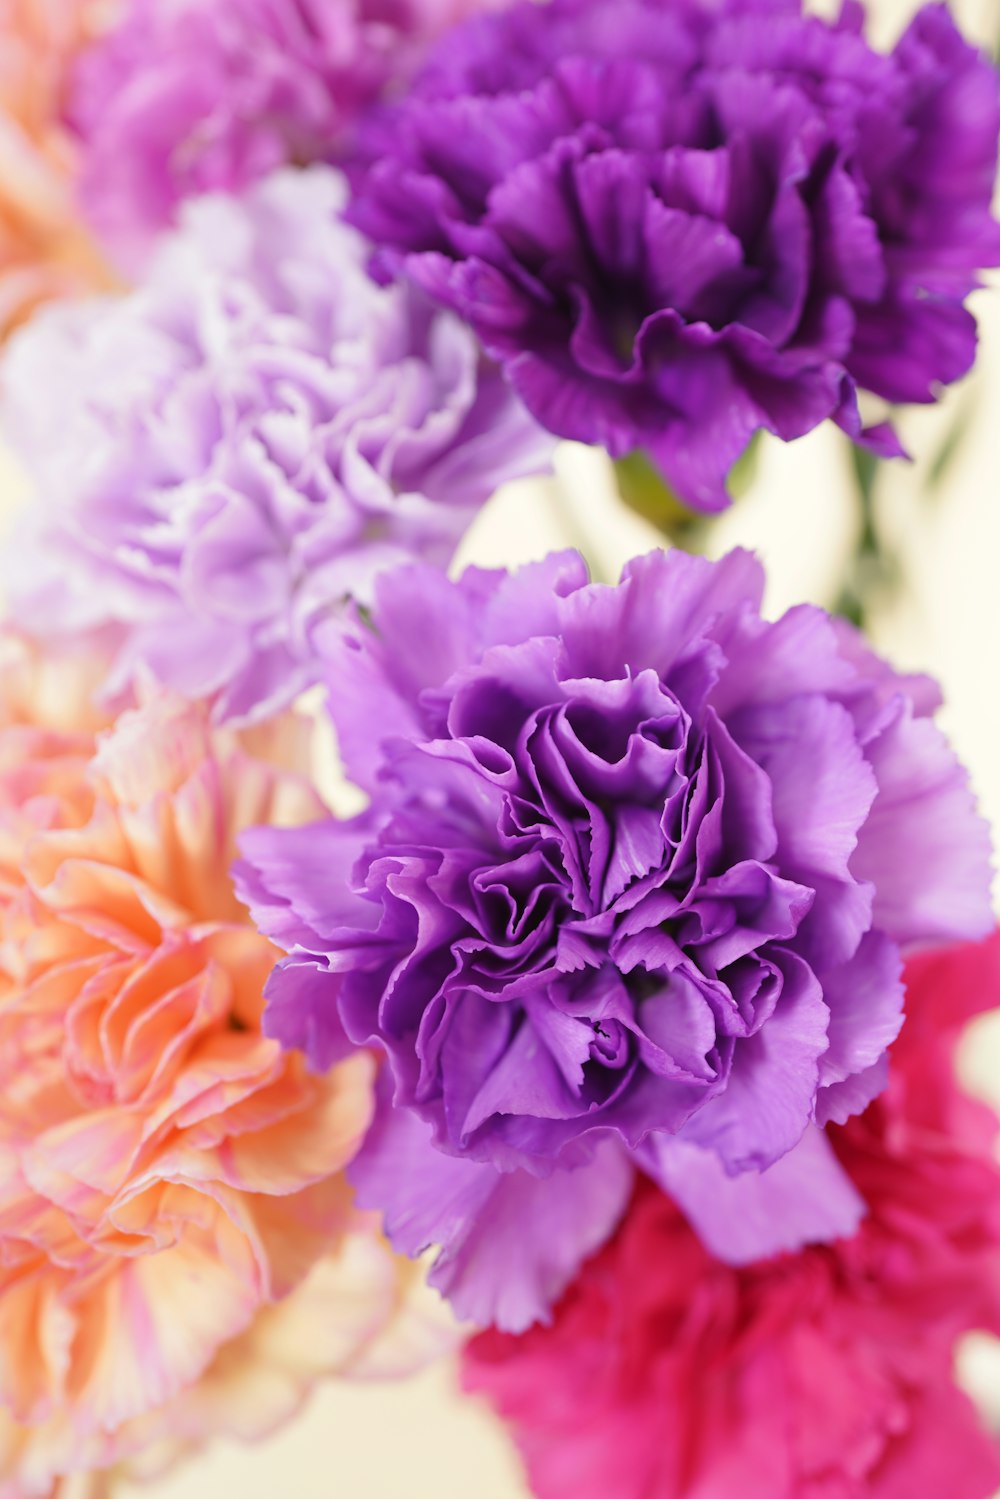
x: 938, y: 520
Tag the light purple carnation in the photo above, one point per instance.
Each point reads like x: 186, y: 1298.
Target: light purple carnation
x: 632, y: 888
x: 679, y: 223
x: 223, y: 456
x: 184, y: 97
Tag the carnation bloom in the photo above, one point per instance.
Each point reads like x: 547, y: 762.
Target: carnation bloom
x: 825, y: 1375
x: 678, y: 224
x: 44, y: 249
x: 173, y: 1208
x: 230, y: 451
x: 633, y: 885
x: 195, y: 96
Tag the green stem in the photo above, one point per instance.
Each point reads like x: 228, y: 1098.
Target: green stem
x: 644, y: 490
x: 873, y: 571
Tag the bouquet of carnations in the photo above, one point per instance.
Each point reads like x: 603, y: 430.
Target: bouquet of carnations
x: 400, y: 957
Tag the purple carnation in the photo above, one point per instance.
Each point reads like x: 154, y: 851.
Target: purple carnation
x: 677, y: 224
x: 632, y: 888
x: 223, y: 456
x: 185, y: 97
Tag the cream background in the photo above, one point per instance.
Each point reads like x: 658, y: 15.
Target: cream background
x: 419, y: 1440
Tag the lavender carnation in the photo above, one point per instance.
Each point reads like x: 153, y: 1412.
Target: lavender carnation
x: 632, y: 888
x: 185, y: 97
x: 223, y: 456
x: 677, y: 224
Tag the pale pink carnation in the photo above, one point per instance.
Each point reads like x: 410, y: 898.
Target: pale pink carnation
x: 185, y: 97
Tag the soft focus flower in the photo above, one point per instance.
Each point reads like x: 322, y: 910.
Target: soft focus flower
x: 361, y: 1313
x: 824, y: 1375
x: 185, y: 97
x: 678, y: 224
x: 635, y: 877
x: 230, y: 451
x: 44, y: 249
x: 173, y: 1207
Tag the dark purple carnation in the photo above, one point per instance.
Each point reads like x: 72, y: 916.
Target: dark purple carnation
x: 633, y: 885
x: 676, y: 224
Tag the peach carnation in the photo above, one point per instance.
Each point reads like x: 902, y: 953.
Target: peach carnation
x: 44, y: 249
x: 179, y: 1252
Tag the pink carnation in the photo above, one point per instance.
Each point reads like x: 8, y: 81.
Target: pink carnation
x: 821, y: 1375
x: 179, y: 1250
x: 186, y: 97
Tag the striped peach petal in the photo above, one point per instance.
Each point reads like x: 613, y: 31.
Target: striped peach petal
x: 355, y: 1310
x: 262, y: 1378
x: 254, y: 796
x: 158, y: 1016
x: 84, y: 1044
x: 278, y: 1162
x: 154, y: 751
x: 154, y: 1215
x: 343, y: 1305
x: 80, y: 829
x: 36, y: 945
x: 313, y: 1144
x: 169, y: 1177
x: 55, y: 1237
x: 29, y: 1226
x: 101, y: 900
x: 46, y: 692
x: 79, y: 1164
x: 160, y: 847
x: 36, y: 761
x: 405, y: 1325
x: 419, y: 1327
x: 289, y: 1094
x: 13, y: 1204
x: 57, y: 990
x: 36, y: 1334
x: 197, y: 797
x: 240, y: 953
x: 224, y: 1068
x: 306, y: 1147
x: 34, y: 1475
x: 39, y: 1097
x: 133, y: 1348
x: 31, y: 183
x: 292, y: 1232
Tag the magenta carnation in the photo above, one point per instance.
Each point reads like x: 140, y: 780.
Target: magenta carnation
x: 185, y: 97
x: 677, y: 224
x: 824, y: 1375
x: 632, y: 887
x: 223, y: 456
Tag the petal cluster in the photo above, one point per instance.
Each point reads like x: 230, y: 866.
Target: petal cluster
x: 45, y: 251
x: 212, y: 94
x: 225, y: 454
x: 173, y: 1206
x: 679, y: 224
x: 633, y: 886
x: 825, y: 1375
